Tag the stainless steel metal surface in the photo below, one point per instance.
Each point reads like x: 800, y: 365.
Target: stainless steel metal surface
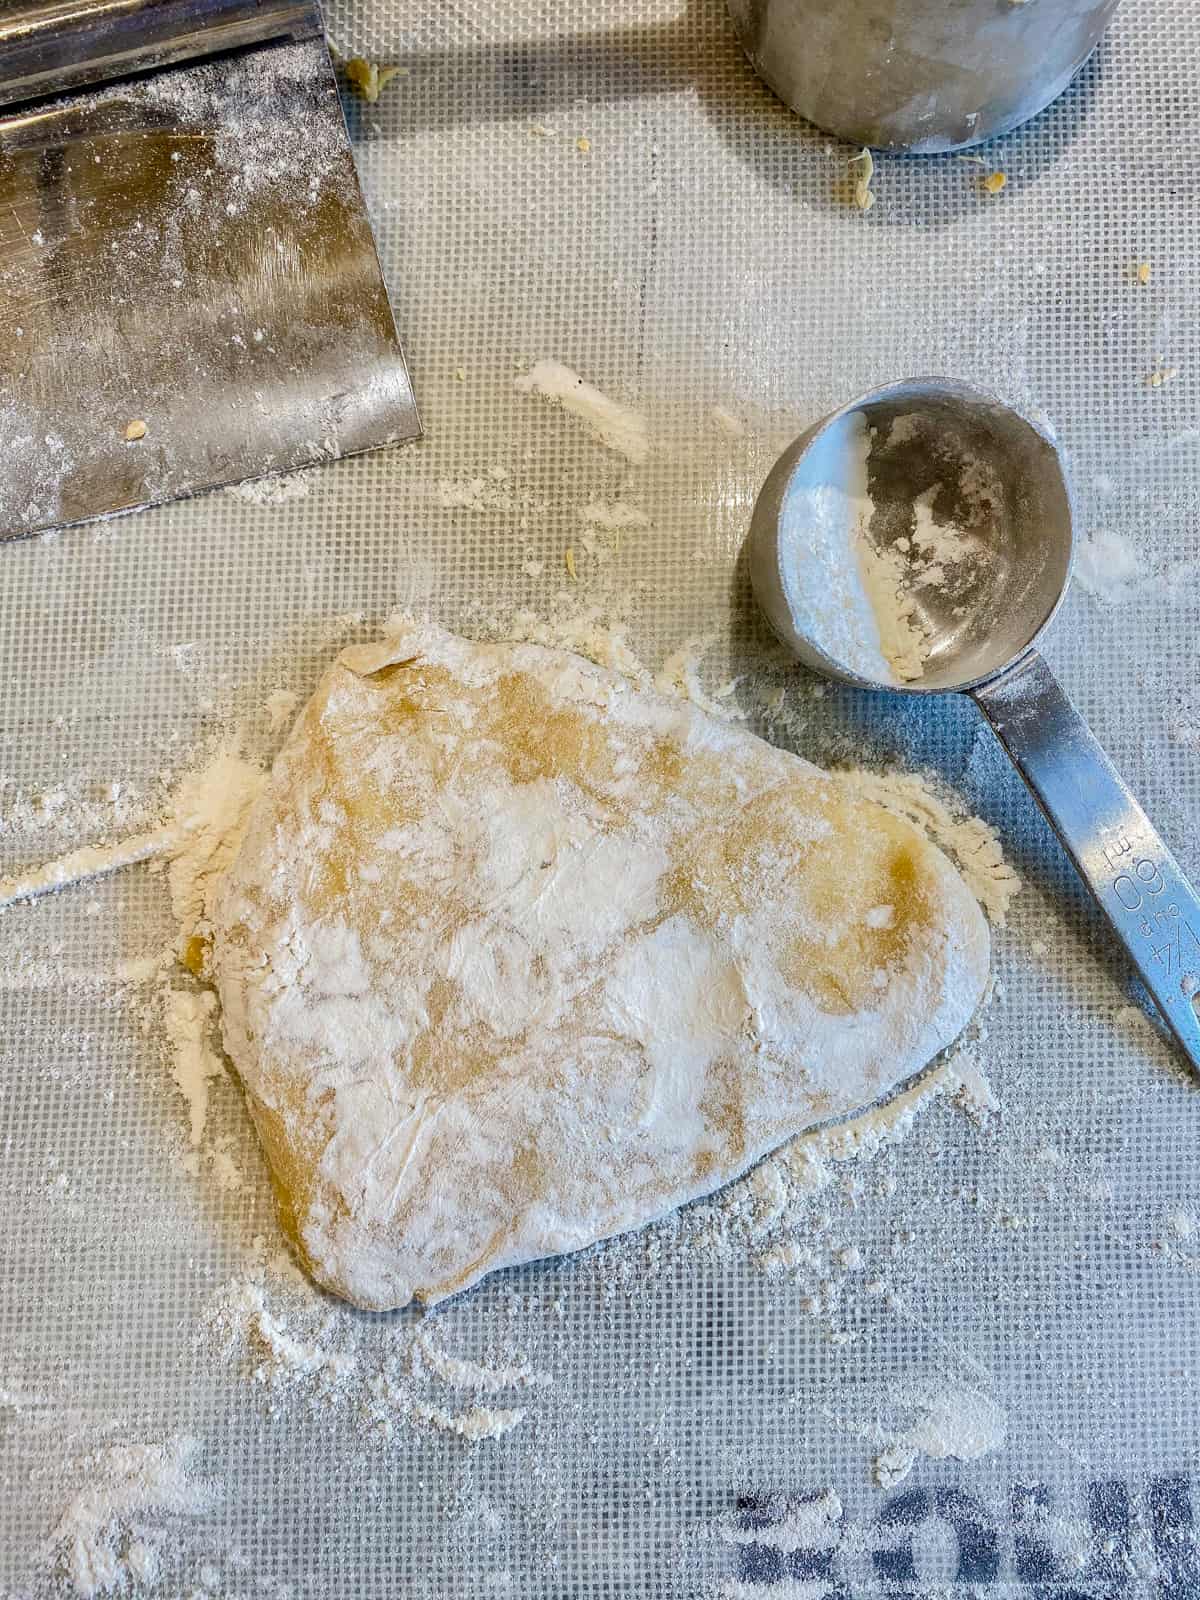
x: 919, y: 75
x: 982, y: 642
x: 1119, y: 854
x: 49, y: 47
x: 1027, y: 527
x: 190, y: 252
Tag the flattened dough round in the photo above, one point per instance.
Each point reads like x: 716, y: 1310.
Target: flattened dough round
x: 516, y: 955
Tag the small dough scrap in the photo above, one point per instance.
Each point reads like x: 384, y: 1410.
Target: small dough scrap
x: 516, y: 956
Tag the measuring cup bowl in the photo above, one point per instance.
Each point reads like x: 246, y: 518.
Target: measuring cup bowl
x: 934, y: 434
x: 925, y: 430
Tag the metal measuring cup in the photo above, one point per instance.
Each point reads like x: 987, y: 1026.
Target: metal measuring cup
x: 919, y: 75
x: 983, y: 466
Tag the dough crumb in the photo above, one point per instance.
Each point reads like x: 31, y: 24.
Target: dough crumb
x: 864, y: 196
x: 280, y: 706
x: 480, y: 1422
x: 951, y: 1420
x: 893, y: 1465
x: 370, y: 79
x: 727, y: 422
x: 615, y: 426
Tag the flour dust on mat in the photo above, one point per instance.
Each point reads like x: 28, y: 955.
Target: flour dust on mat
x: 311, y: 1356
x: 122, y: 1484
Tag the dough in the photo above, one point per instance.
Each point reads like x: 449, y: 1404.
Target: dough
x: 515, y: 955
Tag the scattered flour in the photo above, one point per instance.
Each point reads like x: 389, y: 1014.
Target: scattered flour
x: 207, y: 815
x: 462, y: 1374
x: 621, y: 429
x: 480, y: 1422
x: 786, y: 1257
x: 201, y: 835
x: 225, y: 1170
x: 281, y: 1356
x: 774, y: 1211
x: 187, y: 1017
x: 952, y: 1420
x: 1135, y: 1019
x: 49, y: 974
x: 210, y: 811
x: 590, y: 632
x: 143, y: 1562
x: 974, y: 1094
x: 211, y: 808
x: 804, y: 1525
x: 90, y: 861
x: 814, y: 1526
x: 680, y: 675
x: 1182, y: 1224
x: 275, y: 490
x: 1106, y: 564
x: 613, y: 516
x: 297, y: 1343
x: 809, y: 1160
x: 785, y: 1589
x: 475, y: 494
x: 124, y: 1482
x: 770, y: 1193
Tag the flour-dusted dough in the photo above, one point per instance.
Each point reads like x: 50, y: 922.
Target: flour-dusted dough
x: 516, y: 955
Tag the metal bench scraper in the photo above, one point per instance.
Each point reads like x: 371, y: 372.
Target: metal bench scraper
x: 190, y: 293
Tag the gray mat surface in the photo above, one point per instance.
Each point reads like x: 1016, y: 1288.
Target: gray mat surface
x: 698, y: 254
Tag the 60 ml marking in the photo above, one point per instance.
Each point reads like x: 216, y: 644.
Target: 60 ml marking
x: 1137, y: 884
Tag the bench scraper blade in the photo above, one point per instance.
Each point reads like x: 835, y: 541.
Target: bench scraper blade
x: 189, y: 288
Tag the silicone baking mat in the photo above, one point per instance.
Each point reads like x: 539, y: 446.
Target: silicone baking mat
x: 707, y: 1424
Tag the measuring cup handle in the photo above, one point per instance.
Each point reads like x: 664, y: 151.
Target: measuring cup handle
x: 1134, y: 877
